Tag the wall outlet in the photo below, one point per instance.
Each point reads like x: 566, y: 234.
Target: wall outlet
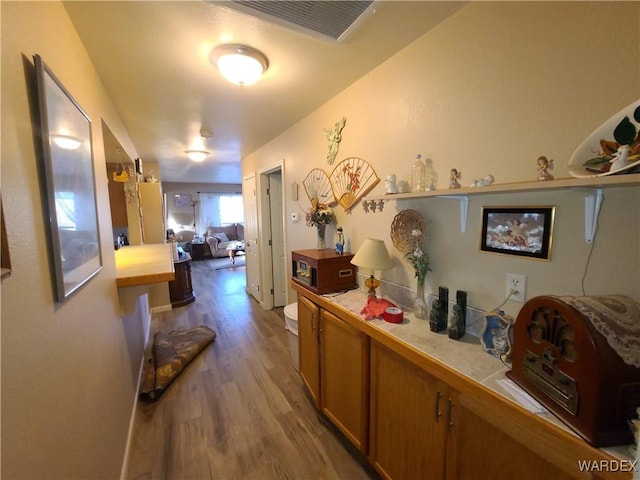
x: 517, y: 282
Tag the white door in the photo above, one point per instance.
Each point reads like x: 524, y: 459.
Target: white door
x: 252, y: 257
x: 277, y: 240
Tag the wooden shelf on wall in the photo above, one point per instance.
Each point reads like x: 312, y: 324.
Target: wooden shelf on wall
x: 593, y: 197
x: 558, y: 184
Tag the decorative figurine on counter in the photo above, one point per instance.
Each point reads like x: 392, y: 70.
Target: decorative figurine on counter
x: 457, y: 322
x: 340, y: 243
x: 390, y: 184
x: 454, y: 178
x: 439, y: 311
x: 544, y: 166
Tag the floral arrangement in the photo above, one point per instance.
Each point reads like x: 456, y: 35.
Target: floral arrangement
x: 319, y: 214
x: 418, y: 258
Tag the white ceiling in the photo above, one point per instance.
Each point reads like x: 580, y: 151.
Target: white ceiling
x: 153, y: 58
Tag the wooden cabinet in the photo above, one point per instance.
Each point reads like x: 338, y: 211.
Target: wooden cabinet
x: 152, y: 211
x: 344, y: 377
x: 181, y: 289
x: 487, y: 439
x: 409, y: 418
x: 419, y: 418
x: 308, y: 326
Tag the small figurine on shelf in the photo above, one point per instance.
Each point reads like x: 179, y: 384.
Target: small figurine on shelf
x: 544, y: 166
x: 390, y: 184
x: 340, y: 242
x: 454, y: 178
x: 403, y: 186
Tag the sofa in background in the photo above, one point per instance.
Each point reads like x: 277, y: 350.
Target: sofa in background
x: 219, y: 238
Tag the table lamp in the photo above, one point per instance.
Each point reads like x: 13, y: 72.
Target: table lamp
x: 372, y: 255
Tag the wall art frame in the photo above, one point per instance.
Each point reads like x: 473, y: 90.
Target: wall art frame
x: 182, y: 200
x: 520, y: 231
x: 69, y: 181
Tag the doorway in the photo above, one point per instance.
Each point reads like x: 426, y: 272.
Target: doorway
x: 266, y: 280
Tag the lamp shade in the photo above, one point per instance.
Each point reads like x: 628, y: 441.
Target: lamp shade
x: 373, y: 254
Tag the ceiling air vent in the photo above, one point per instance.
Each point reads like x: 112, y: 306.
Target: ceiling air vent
x: 333, y: 20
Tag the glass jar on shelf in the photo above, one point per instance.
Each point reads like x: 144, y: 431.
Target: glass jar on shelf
x: 418, y: 175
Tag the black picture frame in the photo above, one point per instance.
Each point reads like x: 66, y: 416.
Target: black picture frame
x: 520, y: 231
x: 69, y: 179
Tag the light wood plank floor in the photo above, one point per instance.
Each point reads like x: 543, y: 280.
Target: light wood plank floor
x: 239, y: 410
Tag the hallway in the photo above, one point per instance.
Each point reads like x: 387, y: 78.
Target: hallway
x: 239, y: 410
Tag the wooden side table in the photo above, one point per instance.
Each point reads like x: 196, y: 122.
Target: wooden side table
x: 180, y: 289
x: 198, y: 251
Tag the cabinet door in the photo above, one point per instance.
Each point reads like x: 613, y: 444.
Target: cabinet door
x: 344, y: 377
x: 479, y: 446
x: 152, y: 210
x: 308, y: 325
x: 408, y: 418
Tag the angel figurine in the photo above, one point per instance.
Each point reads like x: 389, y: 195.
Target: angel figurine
x: 335, y: 137
x: 544, y: 166
x: 454, y: 178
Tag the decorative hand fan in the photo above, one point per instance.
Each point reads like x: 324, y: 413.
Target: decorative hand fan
x: 317, y: 186
x: 352, y: 179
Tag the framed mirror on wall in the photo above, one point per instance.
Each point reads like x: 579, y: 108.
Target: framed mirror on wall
x: 69, y: 179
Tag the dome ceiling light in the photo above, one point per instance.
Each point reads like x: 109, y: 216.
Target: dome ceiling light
x: 198, y: 150
x: 239, y: 64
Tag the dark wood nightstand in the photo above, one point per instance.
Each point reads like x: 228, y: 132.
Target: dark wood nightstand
x: 198, y: 251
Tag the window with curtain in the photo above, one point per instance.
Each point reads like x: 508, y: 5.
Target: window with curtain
x: 219, y: 209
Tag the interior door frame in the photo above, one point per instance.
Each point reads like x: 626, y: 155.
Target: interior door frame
x: 264, y: 230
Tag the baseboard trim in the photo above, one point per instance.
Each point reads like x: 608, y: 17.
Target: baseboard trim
x: 160, y: 309
x: 124, y: 471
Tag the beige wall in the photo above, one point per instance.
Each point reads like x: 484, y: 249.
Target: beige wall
x: 69, y: 371
x: 488, y: 91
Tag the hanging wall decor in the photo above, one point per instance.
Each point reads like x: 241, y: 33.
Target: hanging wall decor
x: 352, y: 179
x: 318, y: 187
x: 521, y: 231
x: 67, y: 167
x: 335, y: 137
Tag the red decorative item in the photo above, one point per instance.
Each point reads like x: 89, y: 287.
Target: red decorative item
x: 375, y: 308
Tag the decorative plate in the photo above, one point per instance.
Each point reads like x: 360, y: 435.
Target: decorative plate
x: 592, y: 151
x: 402, y: 225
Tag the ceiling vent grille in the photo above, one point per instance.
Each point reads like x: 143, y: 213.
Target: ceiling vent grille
x: 334, y: 20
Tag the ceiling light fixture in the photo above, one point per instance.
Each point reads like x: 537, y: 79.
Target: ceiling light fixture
x: 198, y: 150
x: 239, y: 64
x: 197, y: 155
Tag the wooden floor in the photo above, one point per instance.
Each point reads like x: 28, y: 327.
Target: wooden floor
x: 239, y: 410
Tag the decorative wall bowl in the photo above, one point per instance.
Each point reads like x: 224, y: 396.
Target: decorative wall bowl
x: 591, y: 147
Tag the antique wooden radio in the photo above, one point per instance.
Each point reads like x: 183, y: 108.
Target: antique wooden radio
x: 323, y: 271
x: 589, y: 379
